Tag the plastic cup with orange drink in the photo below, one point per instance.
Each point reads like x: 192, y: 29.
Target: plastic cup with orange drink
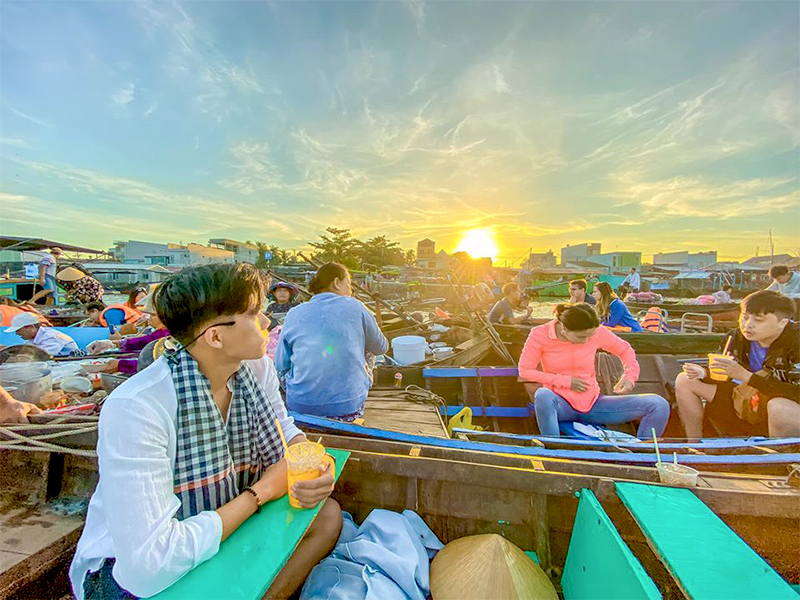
x: 716, y: 373
x: 304, y: 462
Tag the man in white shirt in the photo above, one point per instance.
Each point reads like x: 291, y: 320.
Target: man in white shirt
x: 47, y: 275
x: 30, y: 328
x: 723, y: 296
x: 633, y: 280
x: 176, y: 477
x: 784, y: 281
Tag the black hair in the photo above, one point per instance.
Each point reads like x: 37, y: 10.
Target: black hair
x: 95, y: 306
x: 135, y: 292
x: 581, y: 283
x: 577, y: 317
x: 769, y: 302
x: 510, y: 288
x: 325, y: 276
x: 196, y: 295
x: 778, y: 271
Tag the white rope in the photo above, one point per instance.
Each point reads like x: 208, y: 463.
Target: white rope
x: 37, y: 443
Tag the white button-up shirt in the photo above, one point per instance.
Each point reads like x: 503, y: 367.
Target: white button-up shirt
x: 131, y: 515
x: 54, y: 342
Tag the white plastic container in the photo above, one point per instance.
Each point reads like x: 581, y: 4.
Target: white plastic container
x: 409, y: 349
x: 677, y: 474
x: 442, y: 352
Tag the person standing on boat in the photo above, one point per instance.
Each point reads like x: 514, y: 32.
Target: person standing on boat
x: 47, y: 275
x: 561, y: 356
x: 325, y: 348
x: 30, y: 328
x: 633, y: 281
x: 578, y: 293
x: 189, y: 448
x: 503, y: 310
x: 761, y: 393
x: 784, y: 281
x: 613, y: 311
x: 723, y: 296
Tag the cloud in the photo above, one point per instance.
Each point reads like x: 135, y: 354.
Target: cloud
x: 30, y: 118
x: 194, y: 57
x: 700, y: 198
x: 14, y: 142
x: 124, y: 96
x: 150, y: 110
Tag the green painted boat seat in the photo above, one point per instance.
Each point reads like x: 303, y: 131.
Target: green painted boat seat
x: 599, y: 564
x: 252, y: 556
x: 705, y: 557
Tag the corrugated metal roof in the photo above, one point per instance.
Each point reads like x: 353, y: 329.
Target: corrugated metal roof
x: 693, y: 275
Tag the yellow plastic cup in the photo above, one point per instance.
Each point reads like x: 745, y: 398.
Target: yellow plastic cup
x: 303, y: 462
x: 717, y: 374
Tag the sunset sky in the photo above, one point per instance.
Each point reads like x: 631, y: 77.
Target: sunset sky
x: 650, y: 126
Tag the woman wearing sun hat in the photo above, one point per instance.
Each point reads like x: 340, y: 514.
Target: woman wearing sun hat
x: 80, y: 286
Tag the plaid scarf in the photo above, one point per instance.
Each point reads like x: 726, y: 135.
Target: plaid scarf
x: 215, y: 461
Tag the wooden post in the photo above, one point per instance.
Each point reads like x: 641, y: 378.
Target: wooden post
x: 541, y: 529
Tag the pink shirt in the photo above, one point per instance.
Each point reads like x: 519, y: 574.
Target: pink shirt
x: 561, y: 361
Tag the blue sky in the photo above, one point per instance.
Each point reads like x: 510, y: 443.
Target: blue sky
x: 649, y: 126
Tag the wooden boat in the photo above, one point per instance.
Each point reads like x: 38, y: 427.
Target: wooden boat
x: 677, y: 309
x: 457, y: 492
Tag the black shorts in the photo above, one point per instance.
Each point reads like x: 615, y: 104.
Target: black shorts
x: 722, y: 416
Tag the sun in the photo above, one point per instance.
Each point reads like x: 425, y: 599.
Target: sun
x: 478, y: 243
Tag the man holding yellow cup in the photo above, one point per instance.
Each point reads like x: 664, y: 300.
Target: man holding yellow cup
x: 753, y: 386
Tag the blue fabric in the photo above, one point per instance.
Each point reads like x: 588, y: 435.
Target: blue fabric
x: 387, y: 558
x: 322, y: 352
x: 618, y: 314
x: 757, y: 356
x: 653, y: 410
x: 114, y: 317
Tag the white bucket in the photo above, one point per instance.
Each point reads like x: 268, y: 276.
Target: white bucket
x: 409, y: 349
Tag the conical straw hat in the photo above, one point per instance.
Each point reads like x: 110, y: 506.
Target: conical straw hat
x: 487, y: 567
x: 70, y: 274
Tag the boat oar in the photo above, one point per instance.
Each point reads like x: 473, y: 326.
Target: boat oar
x: 655, y: 442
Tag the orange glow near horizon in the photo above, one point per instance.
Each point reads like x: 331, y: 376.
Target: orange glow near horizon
x: 478, y: 243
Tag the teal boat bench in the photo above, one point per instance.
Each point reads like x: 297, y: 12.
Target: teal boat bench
x: 599, y: 564
x: 249, y: 560
x: 704, y: 556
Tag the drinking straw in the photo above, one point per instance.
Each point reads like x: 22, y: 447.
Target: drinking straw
x: 655, y: 441
x: 283, y: 437
x: 727, y: 345
x: 674, y: 458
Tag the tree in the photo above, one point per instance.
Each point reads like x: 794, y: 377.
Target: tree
x: 411, y: 257
x: 380, y: 252
x: 338, y: 246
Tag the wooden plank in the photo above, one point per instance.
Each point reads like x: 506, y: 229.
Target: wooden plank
x: 30, y: 540
x: 252, y: 556
x: 704, y: 556
x: 599, y: 565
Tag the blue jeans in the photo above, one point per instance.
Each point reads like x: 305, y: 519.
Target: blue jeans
x: 101, y: 585
x: 650, y: 409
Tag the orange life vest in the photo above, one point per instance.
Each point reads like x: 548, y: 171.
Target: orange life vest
x: 131, y: 314
x: 654, y: 320
x: 7, y: 314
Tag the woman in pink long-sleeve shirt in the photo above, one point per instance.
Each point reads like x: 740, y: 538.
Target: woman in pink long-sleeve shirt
x: 561, y: 356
